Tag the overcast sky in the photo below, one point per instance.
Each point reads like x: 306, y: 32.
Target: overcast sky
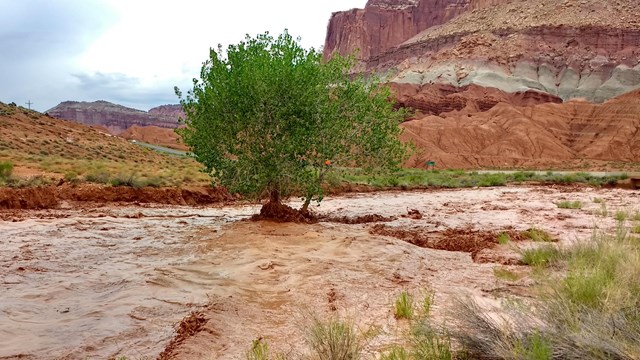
x: 133, y: 52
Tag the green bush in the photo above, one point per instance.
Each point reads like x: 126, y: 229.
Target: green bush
x: 6, y: 169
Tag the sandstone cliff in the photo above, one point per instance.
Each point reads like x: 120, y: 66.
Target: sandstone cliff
x: 571, y: 49
x: 384, y: 24
x: 115, y: 118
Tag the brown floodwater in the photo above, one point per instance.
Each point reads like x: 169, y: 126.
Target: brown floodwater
x: 111, y: 281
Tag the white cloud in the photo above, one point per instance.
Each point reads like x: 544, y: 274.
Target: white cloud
x: 135, y: 51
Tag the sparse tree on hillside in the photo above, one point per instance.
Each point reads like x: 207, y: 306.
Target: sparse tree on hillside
x: 268, y: 117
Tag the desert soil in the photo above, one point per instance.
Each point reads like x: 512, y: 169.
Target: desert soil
x: 111, y: 280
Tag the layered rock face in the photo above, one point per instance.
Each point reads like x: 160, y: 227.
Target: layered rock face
x: 384, y: 24
x: 576, y: 134
x: 444, y: 99
x: 571, y: 49
x: 113, y: 117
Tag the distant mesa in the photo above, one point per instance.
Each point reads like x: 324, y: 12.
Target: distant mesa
x: 117, y: 118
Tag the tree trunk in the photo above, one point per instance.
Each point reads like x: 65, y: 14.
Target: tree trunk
x: 274, y: 196
x: 305, y: 207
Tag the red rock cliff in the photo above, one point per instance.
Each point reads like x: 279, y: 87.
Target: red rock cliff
x: 384, y: 24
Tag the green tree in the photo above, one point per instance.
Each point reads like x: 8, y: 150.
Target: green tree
x: 270, y: 118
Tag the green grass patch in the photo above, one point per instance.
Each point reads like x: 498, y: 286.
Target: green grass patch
x: 621, y: 215
x: 503, y: 238
x: 403, y: 308
x: 569, y: 204
x: 6, y: 170
x: 396, y: 353
x: 418, y: 178
x: 597, y: 200
x: 541, y: 256
x: 533, y: 347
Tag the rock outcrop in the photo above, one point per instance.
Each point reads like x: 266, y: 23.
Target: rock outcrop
x: 115, y: 118
x: 571, y: 49
x: 173, y: 111
x: 444, y: 99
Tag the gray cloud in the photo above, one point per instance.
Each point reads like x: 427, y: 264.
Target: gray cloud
x: 38, y: 42
x: 123, y: 89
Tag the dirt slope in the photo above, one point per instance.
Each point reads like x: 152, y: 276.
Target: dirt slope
x: 570, y: 135
x: 154, y: 135
x: 41, y: 145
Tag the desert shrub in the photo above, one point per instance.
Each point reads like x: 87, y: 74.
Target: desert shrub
x: 429, y: 343
x: 537, y: 235
x: 569, y: 204
x: 98, y: 177
x: 521, y: 176
x: 6, y: 169
x: 403, y: 308
x: 621, y: 215
x: 493, y: 180
x: 126, y: 179
x: 334, y: 339
x: 427, y: 303
x: 540, y: 256
x: 598, y: 200
x: 71, y: 177
x: 259, y: 350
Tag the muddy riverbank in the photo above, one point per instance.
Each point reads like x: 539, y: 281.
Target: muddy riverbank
x: 114, y: 280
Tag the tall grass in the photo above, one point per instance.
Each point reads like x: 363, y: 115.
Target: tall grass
x: 334, y: 339
x: 591, y: 312
x: 403, y: 308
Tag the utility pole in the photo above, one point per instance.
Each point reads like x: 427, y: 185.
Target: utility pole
x: 29, y: 103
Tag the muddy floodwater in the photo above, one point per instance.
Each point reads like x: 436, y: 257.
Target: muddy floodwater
x: 113, y: 281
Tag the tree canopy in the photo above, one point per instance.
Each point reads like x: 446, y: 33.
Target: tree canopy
x: 268, y: 117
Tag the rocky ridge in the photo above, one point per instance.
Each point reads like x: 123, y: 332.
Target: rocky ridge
x: 115, y: 118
